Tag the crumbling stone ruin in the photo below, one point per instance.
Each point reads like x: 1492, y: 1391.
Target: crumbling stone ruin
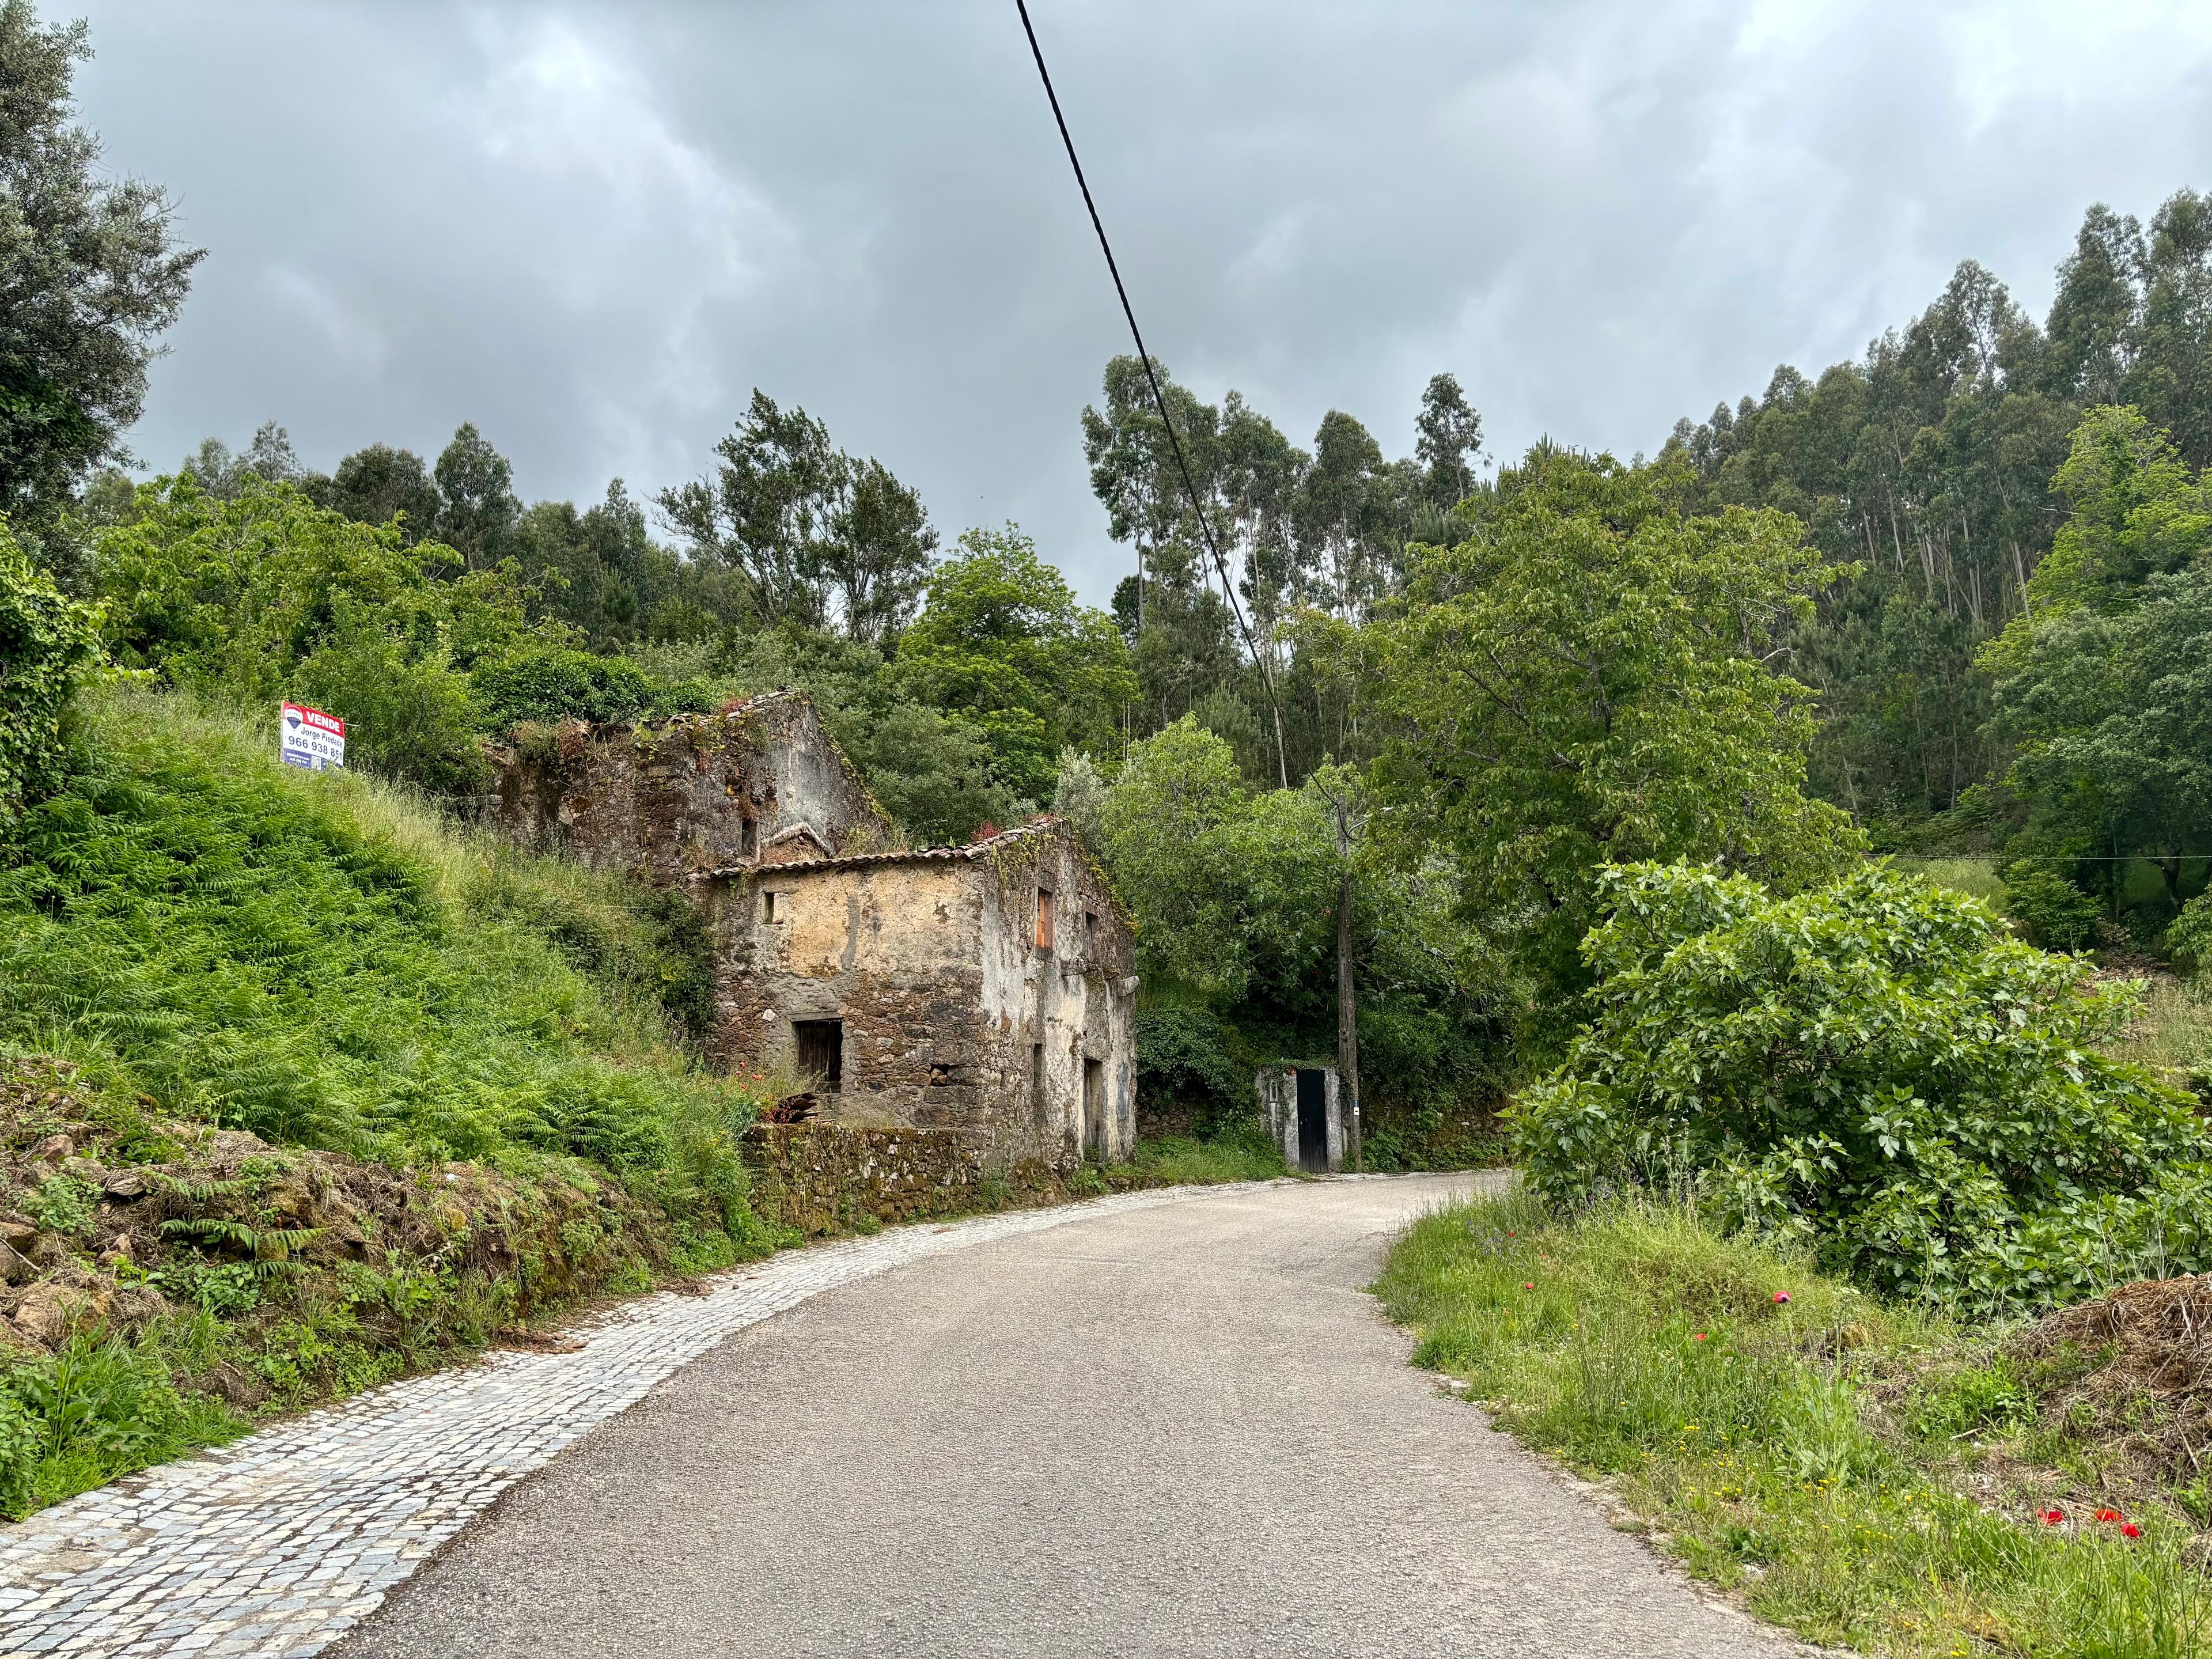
x: 760, y: 782
x: 988, y: 991
x: 990, y: 988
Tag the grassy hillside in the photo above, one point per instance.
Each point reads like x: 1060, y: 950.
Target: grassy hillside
x: 325, y: 960
x: 311, y: 1086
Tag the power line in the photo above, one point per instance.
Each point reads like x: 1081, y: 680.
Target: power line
x: 1159, y: 399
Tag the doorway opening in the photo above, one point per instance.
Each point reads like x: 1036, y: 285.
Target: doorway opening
x: 1313, y: 1119
x: 1094, y: 1109
x: 821, y: 1045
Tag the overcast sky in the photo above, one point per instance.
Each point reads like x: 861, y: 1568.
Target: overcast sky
x: 593, y: 229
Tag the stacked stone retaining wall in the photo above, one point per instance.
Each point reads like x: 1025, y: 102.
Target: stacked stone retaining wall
x: 818, y: 1178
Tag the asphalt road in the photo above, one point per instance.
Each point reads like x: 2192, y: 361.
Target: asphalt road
x: 1183, y: 1431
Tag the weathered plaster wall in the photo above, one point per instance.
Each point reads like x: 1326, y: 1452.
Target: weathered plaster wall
x: 764, y: 782
x: 1077, y: 1000
x: 930, y: 963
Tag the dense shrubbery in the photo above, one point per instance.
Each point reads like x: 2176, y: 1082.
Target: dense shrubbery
x: 46, y: 641
x: 547, y: 683
x: 1878, y: 1066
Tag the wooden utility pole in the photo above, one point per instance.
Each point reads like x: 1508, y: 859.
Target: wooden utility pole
x: 1348, y: 1007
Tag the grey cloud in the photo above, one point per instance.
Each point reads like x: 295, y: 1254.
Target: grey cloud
x: 592, y: 229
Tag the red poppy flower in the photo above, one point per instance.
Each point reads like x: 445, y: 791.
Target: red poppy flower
x: 1699, y: 1337
x: 1780, y: 1296
x: 2129, y: 1529
x: 1528, y: 1285
x: 2052, y: 1517
x: 2110, y: 1514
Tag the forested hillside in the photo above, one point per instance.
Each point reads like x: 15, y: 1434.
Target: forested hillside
x: 1948, y: 599
x: 1362, y: 778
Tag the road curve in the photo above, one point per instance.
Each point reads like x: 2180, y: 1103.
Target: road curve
x: 1181, y: 1430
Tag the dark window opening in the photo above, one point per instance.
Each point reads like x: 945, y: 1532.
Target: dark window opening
x: 1094, y: 1109
x: 821, y: 1044
x: 1037, y: 1082
x: 768, y: 906
x: 748, y: 838
x: 1089, y: 932
x: 1044, y: 919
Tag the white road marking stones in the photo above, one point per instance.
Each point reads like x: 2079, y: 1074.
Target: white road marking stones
x: 276, y: 1544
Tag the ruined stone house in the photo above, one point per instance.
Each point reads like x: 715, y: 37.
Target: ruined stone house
x: 988, y: 990
x: 989, y: 987
x: 760, y: 782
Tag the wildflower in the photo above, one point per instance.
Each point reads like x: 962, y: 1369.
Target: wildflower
x: 2129, y: 1529
x: 2110, y: 1514
x: 1527, y: 1284
x: 1699, y: 1337
x: 2052, y: 1517
x: 1781, y: 1297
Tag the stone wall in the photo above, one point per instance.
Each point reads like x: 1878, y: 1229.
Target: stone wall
x: 819, y: 1178
x: 761, y: 783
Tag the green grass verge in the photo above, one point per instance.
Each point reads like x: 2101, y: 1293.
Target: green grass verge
x: 1185, y: 1160
x: 1818, y: 1455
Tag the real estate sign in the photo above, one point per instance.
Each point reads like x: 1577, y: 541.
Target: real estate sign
x: 309, y: 737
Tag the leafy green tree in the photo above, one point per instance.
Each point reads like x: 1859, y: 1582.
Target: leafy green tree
x: 878, y: 557
x: 1241, y: 900
x: 1588, y: 678
x: 547, y: 683
x: 1875, y: 1065
x: 380, y: 484
x: 47, y: 642
x: 476, y: 504
x: 1002, y: 643
x: 1168, y: 832
x: 268, y: 459
x: 90, y: 277
x: 809, y: 529
x: 2105, y: 685
x: 265, y: 595
x: 1449, y: 442
x: 932, y: 771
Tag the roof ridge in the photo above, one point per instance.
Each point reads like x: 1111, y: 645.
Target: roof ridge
x: 968, y: 851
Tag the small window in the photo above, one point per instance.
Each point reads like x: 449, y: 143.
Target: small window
x: 1044, y: 919
x: 768, y: 905
x: 1089, y: 932
x: 1037, y: 1082
x: 821, y: 1044
x: 748, y: 838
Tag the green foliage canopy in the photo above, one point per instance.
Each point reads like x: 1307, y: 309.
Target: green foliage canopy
x: 47, y: 642
x: 90, y: 277
x: 1003, y: 644
x: 1877, y: 1064
x: 265, y: 595
x: 2105, y: 684
x: 1587, y: 678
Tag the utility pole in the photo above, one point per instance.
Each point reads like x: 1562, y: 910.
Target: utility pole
x: 1348, y: 1007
